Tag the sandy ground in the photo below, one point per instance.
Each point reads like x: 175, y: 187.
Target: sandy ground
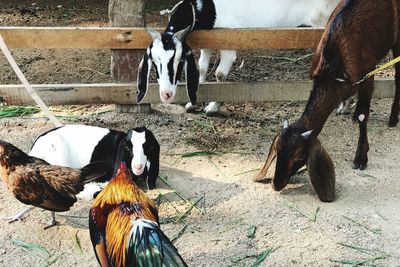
x: 366, y: 213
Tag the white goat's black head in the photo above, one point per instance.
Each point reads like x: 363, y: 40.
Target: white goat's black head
x: 169, y: 53
x: 141, y: 152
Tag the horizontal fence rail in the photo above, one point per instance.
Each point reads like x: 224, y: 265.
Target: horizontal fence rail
x: 111, y: 93
x: 138, y: 38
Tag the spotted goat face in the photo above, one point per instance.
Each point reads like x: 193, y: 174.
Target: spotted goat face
x: 169, y: 54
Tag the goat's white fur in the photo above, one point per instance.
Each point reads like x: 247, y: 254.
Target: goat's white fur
x: 72, y: 146
x: 161, y: 58
x: 261, y: 13
x: 139, y: 158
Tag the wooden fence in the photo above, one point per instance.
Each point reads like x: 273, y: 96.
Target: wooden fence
x: 137, y: 38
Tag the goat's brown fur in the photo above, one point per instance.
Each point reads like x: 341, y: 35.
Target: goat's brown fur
x: 357, y: 36
x: 321, y: 171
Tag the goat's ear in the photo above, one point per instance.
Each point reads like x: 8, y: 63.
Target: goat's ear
x: 181, y: 35
x: 271, y: 156
x: 144, y: 74
x: 154, y: 159
x: 321, y: 171
x: 192, y: 76
x: 155, y: 35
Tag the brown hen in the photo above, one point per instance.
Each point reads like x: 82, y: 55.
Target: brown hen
x: 35, y: 182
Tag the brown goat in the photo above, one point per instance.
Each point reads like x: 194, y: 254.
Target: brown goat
x: 358, y: 35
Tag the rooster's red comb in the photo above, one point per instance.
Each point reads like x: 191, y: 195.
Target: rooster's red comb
x: 122, y: 167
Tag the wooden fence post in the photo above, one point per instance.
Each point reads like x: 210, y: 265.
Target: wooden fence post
x: 124, y: 63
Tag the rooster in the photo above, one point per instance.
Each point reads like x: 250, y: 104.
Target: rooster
x: 35, y: 182
x: 124, y: 227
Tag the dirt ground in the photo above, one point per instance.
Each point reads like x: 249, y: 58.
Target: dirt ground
x: 366, y: 213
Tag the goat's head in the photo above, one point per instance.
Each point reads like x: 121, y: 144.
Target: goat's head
x: 290, y: 148
x: 144, y: 149
x: 169, y: 53
x: 141, y: 152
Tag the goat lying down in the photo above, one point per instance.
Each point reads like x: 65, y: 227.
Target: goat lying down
x: 353, y: 43
x: 170, y: 54
x: 77, y: 145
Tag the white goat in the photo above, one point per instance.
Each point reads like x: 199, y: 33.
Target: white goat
x: 78, y: 145
x: 170, y: 53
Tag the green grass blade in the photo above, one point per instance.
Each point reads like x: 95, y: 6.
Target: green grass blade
x: 15, y: 111
x: 244, y: 257
x: 262, y: 257
x: 373, y: 230
x: 251, y: 232
x: 364, y: 174
x: 217, y: 169
x: 311, y: 218
x: 360, y: 249
x: 177, y: 193
x: 245, y: 172
x: 78, y: 243
x: 194, y: 154
x: 51, y: 262
x: 179, y: 234
x: 30, y: 246
x: 361, y: 262
x: 183, y: 215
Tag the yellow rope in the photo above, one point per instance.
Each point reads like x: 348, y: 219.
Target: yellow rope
x: 384, y: 66
x: 375, y: 71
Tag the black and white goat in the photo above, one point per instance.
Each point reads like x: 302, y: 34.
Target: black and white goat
x: 77, y: 145
x: 170, y: 53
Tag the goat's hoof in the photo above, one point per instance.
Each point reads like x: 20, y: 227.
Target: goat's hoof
x: 343, y: 111
x: 212, y: 109
x: 211, y: 113
x: 360, y: 165
x: 259, y: 177
x: 327, y: 197
x: 190, y: 108
x: 220, y: 76
x: 393, y: 121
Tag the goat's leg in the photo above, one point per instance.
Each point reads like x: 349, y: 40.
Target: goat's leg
x: 394, y: 114
x: 361, y: 115
x: 345, y: 107
x: 228, y: 57
x: 204, y: 62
